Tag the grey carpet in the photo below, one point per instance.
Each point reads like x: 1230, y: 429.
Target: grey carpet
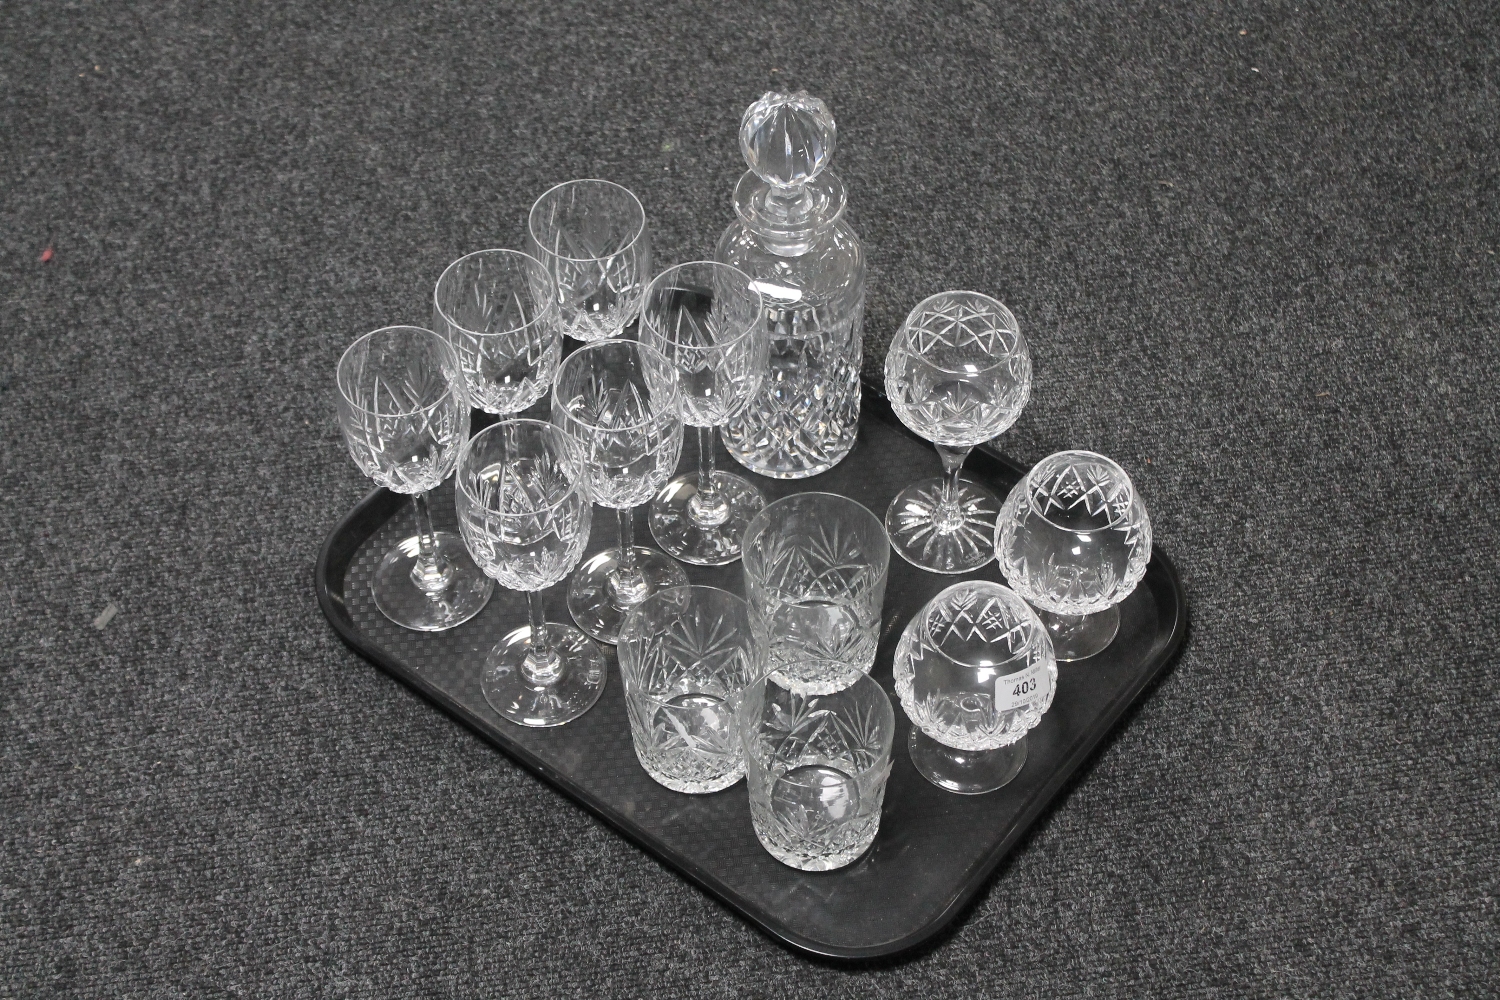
x: 1254, y: 247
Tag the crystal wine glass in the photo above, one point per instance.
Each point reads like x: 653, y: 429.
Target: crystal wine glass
x: 958, y: 373
x: 975, y: 672
x: 523, y: 507
x: 1074, y: 540
x: 816, y: 766
x: 618, y: 400
x: 591, y: 236
x: 686, y: 653
x: 498, y: 308
x: 404, y: 412
x: 704, y: 318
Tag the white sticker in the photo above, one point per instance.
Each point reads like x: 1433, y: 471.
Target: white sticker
x: 1018, y: 690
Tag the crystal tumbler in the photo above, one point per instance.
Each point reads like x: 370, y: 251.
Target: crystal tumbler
x: 1074, y: 540
x: 591, y: 236
x: 685, y: 656
x: 816, y: 766
x: 498, y: 308
x: 815, y: 568
x: 975, y: 672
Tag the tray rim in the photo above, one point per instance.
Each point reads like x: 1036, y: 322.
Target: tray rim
x: 336, y: 552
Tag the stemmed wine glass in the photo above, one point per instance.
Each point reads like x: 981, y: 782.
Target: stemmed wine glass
x: 704, y: 318
x: 404, y: 411
x: 498, y: 308
x: 618, y: 400
x: 591, y: 237
x: 523, y: 507
x: 958, y: 373
x: 1074, y: 539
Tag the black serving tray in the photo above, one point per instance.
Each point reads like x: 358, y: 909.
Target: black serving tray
x: 934, y: 849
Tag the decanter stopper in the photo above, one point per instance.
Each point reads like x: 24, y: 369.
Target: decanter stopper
x: 787, y: 139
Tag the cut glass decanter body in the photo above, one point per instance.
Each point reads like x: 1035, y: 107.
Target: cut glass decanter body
x: 809, y: 268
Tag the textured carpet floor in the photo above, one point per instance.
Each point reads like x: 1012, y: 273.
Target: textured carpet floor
x: 1255, y: 250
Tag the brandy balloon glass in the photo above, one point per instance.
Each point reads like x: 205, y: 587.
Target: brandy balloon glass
x: 618, y: 400
x: 704, y: 318
x: 404, y: 412
x: 523, y: 507
x: 591, y: 236
x: 1074, y: 540
x: 975, y: 672
x: 958, y: 373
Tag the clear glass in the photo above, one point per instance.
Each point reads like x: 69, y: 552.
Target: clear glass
x: 523, y: 507
x: 404, y: 412
x: 1074, y: 540
x: 815, y: 568
x: 975, y: 673
x: 591, y: 236
x: 618, y: 400
x: 809, y: 267
x: 958, y: 373
x: 704, y: 318
x: 816, y: 767
x: 498, y: 308
x: 685, y: 655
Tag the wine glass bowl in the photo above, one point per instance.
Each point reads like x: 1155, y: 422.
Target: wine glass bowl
x: 705, y: 319
x: 499, y: 310
x: 958, y: 373
x: 591, y: 237
x: 618, y: 400
x: 974, y: 671
x: 404, y: 411
x: 1074, y: 540
x: 523, y: 507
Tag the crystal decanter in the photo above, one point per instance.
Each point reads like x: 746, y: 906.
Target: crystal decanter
x: 810, y: 270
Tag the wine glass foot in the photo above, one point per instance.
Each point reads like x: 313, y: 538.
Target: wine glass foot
x: 711, y: 537
x: 952, y: 538
x: 595, y: 602
x: 967, y: 772
x: 464, y: 595
x: 577, y: 684
x: 1077, y: 637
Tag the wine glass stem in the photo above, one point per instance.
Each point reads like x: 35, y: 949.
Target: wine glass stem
x: 430, y: 573
x: 628, y: 583
x: 542, y: 664
x: 706, y: 489
x: 953, y: 464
